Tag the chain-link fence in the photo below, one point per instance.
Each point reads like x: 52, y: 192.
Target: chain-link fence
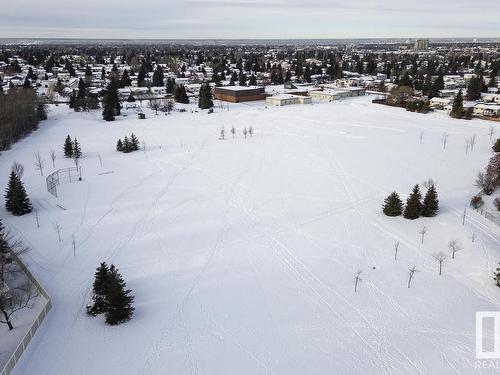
x: 16, y: 356
x: 62, y: 175
x: 493, y: 217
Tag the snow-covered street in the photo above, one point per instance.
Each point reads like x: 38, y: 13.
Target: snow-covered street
x: 241, y: 253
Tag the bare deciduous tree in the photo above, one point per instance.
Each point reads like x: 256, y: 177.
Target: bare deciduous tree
x: 422, y: 232
x: 357, y: 280
x: 18, y: 169
x: 472, y: 142
x: 9, y: 247
x: 16, y: 299
x: 444, y: 139
x: 38, y: 163
x: 53, y: 157
x: 57, y: 228
x: 155, y: 105
x: 245, y: 132
x: 410, y: 277
x: 440, y: 258
x: 491, y: 132
x: 233, y: 131
x: 73, y: 243
x: 455, y: 247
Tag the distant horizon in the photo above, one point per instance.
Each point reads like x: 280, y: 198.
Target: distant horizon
x: 249, y: 19
x: 208, y: 41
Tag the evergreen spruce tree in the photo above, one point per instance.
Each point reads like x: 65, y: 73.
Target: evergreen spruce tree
x: 41, y: 111
x: 430, y: 205
x: 119, y: 145
x: 158, y: 76
x: 436, y: 86
x: 9, y: 192
x: 16, y: 199
x: 180, y: 94
x: 134, y: 142
x: 72, y: 101
x: 474, y: 89
x: 77, y: 150
x: 99, y: 290
x: 242, y: 79
x: 253, y: 80
x: 68, y: 147
x: 141, y: 76
x: 125, y: 79
x: 126, y: 145
x: 205, y: 98
x: 170, y: 85
x: 108, y: 114
x: 393, y: 205
x: 413, y: 207
x: 457, y: 109
x: 119, y: 299
x: 111, y: 102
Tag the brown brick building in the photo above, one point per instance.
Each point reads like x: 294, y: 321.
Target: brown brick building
x: 238, y: 94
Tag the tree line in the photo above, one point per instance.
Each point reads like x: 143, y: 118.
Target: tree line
x: 20, y: 113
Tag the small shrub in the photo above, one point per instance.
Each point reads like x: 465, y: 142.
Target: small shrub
x: 496, y: 146
x: 476, y: 202
x: 496, y: 202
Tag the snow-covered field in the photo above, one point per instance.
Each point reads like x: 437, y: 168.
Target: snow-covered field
x: 242, y: 253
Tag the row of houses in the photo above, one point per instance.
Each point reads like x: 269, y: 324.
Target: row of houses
x: 489, y: 109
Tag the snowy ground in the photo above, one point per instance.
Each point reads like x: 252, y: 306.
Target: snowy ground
x: 242, y: 253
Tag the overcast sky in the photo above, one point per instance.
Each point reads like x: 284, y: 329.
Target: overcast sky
x: 271, y: 19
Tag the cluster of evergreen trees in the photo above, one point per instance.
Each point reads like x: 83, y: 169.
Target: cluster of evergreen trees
x: 20, y: 113
x: 111, y: 296
x: 80, y: 100
x: 16, y: 198
x: 72, y: 148
x: 415, y: 207
x: 128, y: 144
x: 420, y: 106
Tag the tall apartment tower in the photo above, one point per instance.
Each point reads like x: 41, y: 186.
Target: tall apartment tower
x: 421, y: 44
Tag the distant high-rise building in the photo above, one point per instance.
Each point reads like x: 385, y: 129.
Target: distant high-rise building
x: 421, y: 44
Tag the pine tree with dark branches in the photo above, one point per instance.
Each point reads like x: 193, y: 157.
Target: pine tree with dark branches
x: 430, y: 206
x: 68, y: 147
x: 413, y: 207
x: 119, y: 299
x: 393, y: 206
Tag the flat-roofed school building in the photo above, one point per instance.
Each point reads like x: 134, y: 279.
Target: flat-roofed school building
x: 238, y: 94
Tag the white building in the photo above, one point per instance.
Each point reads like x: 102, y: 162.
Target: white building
x: 439, y: 103
x: 287, y: 99
x: 487, y: 110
